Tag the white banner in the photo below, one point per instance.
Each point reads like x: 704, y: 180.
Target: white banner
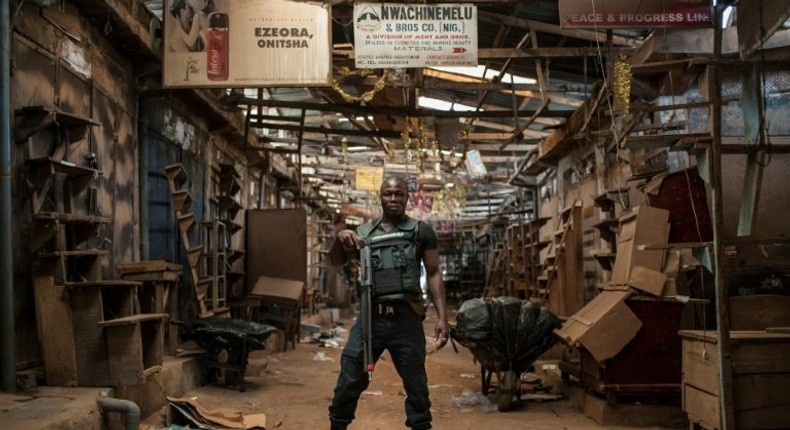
x: 415, y: 35
x: 246, y: 43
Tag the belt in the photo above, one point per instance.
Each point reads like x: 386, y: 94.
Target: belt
x: 390, y: 308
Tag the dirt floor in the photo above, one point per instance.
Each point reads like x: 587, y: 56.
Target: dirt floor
x: 294, y: 388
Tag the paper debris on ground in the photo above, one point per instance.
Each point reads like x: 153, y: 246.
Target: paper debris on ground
x: 187, y: 411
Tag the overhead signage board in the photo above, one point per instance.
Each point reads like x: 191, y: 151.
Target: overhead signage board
x: 369, y: 179
x: 246, y: 43
x: 604, y: 14
x: 415, y: 35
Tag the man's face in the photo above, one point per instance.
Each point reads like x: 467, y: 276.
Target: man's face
x: 394, y: 197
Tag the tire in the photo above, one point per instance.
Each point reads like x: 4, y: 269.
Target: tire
x: 507, y: 390
x: 504, y: 401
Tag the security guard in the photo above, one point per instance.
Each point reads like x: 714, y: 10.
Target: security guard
x: 398, y: 245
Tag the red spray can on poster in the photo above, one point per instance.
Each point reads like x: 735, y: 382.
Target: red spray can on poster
x: 217, y: 61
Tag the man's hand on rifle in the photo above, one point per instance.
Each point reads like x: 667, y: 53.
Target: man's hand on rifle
x: 345, y: 247
x: 349, y: 240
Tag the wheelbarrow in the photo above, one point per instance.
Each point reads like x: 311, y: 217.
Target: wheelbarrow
x: 505, y: 335
x: 508, y: 376
x: 227, y: 343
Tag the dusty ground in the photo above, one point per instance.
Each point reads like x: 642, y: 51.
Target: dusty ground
x: 294, y: 389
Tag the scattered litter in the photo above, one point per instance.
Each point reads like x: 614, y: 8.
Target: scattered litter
x: 372, y: 393
x: 253, y: 405
x: 469, y: 375
x: 331, y: 343
x: 468, y: 398
x: 321, y: 356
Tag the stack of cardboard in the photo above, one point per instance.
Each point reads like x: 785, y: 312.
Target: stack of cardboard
x: 625, y: 340
x: 606, y: 325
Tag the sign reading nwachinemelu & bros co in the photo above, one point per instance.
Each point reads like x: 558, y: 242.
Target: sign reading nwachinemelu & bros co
x: 246, y: 43
x: 635, y: 14
x: 414, y: 35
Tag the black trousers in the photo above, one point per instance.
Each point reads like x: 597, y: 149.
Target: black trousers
x: 398, y: 329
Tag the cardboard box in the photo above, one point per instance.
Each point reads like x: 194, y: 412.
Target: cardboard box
x: 188, y: 412
x: 644, y: 226
x: 603, y: 327
x: 647, y: 280
x: 671, y: 270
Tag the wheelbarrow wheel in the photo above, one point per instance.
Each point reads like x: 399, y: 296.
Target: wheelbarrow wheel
x: 506, y: 393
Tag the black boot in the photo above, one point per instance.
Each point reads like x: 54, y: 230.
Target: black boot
x: 338, y: 426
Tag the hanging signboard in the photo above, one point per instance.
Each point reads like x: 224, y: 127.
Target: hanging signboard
x: 369, y: 179
x: 474, y: 164
x: 415, y: 35
x: 604, y: 14
x: 246, y: 43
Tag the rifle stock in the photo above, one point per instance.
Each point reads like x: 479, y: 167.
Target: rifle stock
x: 365, y: 306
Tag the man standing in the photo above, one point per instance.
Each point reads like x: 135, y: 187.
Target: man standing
x: 398, y: 244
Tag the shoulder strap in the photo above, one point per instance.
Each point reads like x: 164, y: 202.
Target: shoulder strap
x: 366, y: 229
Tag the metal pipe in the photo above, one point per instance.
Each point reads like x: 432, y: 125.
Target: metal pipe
x: 128, y: 407
x: 7, y: 363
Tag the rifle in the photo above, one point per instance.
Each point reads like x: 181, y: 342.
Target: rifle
x: 365, y: 306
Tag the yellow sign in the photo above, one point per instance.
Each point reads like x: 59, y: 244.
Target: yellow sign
x: 369, y: 179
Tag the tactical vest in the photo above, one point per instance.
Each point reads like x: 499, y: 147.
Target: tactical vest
x: 395, y: 257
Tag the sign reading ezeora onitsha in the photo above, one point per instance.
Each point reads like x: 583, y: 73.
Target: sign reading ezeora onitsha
x: 246, y: 43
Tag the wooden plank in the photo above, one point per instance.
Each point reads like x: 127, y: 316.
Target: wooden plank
x: 537, y: 53
x: 761, y: 401
x: 105, y: 283
x: 757, y: 21
x: 753, y: 116
x: 165, y: 276
x: 543, y: 27
x: 756, y: 358
x: 147, y: 266
x: 773, y: 312
x: 701, y: 407
x: 153, y: 343
x: 699, y: 365
x: 89, y: 337
x: 55, y: 332
x: 131, y: 320
x: 125, y: 355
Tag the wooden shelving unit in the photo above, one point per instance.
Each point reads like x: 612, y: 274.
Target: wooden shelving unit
x: 227, y: 207
x: 608, y: 225
x: 182, y: 204
x: 561, y: 285
x: 92, y: 330
x: 523, y: 255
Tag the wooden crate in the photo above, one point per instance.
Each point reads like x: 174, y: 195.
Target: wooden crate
x: 761, y: 379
